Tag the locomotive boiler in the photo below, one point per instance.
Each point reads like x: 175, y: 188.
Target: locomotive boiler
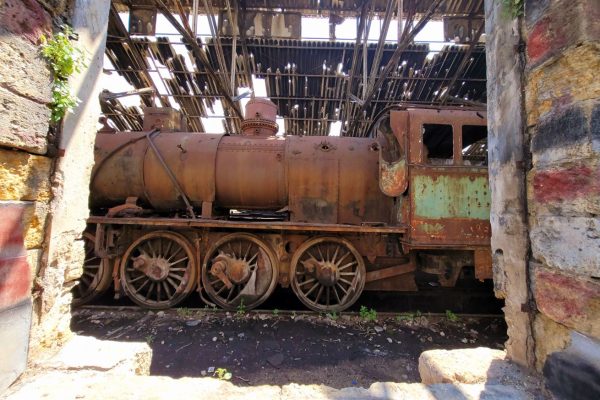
x: 233, y: 216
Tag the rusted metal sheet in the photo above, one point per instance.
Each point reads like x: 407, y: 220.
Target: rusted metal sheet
x: 393, y: 177
x: 250, y: 173
x: 483, y: 263
x: 390, y: 272
x: 257, y: 225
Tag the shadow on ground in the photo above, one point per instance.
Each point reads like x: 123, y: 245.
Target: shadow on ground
x: 261, y: 348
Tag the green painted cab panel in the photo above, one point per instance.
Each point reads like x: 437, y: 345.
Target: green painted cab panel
x: 451, y: 196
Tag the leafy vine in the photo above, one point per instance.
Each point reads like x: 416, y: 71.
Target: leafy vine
x: 65, y: 60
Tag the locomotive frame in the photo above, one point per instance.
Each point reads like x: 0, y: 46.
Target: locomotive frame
x: 443, y: 204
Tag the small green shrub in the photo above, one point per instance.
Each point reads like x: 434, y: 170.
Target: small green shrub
x: 451, y: 316
x: 65, y: 60
x: 367, y: 314
x: 241, y: 309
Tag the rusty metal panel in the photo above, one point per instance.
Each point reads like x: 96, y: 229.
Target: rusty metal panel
x: 313, y: 190
x: 117, y: 172
x: 125, y: 167
x: 191, y: 158
x: 483, y: 263
x: 393, y: 177
x: 449, y: 206
x: 456, y: 118
x: 250, y: 173
x: 360, y: 199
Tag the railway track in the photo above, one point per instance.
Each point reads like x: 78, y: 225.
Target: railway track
x: 474, y: 300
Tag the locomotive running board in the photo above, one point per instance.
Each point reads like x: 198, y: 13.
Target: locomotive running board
x: 271, y: 225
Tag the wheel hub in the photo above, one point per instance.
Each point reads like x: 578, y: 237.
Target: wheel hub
x: 230, y: 270
x: 327, y: 273
x: 157, y: 269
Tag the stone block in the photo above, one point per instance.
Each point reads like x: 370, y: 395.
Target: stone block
x: 477, y: 365
x: 549, y: 35
x: 33, y: 259
x: 568, y: 300
x: 571, y: 188
x: 24, y: 72
x: 568, y: 244
x: 86, y: 352
x: 569, y: 79
x: 24, y: 124
x: 24, y: 176
x: 34, y: 222
x: 550, y: 336
x: 24, y: 17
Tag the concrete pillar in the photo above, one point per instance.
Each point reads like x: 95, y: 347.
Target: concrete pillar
x: 507, y: 145
x: 69, y: 208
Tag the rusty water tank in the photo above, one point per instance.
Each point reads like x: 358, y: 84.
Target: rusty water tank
x: 319, y: 178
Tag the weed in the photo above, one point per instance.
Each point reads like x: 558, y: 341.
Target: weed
x: 451, y: 316
x: 405, y: 317
x: 149, y: 339
x: 367, y: 314
x: 275, y: 312
x: 332, y: 315
x: 184, y: 312
x: 65, y: 60
x: 241, y: 309
x: 223, y: 374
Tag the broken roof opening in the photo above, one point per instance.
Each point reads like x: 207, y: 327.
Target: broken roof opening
x: 323, y: 82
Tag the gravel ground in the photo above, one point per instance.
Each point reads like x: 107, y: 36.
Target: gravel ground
x: 278, y: 348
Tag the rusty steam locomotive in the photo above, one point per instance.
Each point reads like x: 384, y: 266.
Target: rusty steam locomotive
x: 234, y: 216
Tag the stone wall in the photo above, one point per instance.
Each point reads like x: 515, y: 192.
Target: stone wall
x: 45, y: 174
x: 25, y: 167
x: 563, y: 119
x: 544, y: 113
x: 508, y: 158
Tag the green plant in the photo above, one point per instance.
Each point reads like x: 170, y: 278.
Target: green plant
x: 223, y: 374
x: 405, y: 317
x: 65, y: 60
x: 513, y: 8
x: 184, y: 312
x: 275, y: 312
x: 149, y: 339
x: 451, y: 316
x: 332, y: 315
x: 241, y: 308
x: 367, y: 314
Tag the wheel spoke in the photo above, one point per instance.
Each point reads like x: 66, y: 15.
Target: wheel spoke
x: 307, y: 282
x: 342, y: 259
x: 167, y: 290
x: 337, y: 296
x: 178, y: 261
x: 337, y: 249
x: 312, y: 289
x: 346, y: 266
x: 142, y: 286
x: 319, y: 294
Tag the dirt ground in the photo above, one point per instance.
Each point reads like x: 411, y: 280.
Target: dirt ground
x: 278, y: 348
